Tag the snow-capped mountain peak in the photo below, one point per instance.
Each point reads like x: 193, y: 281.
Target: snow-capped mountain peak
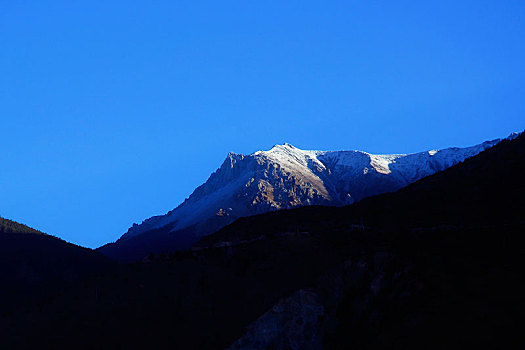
x: 286, y: 177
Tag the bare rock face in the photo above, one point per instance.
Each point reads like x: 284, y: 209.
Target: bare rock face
x: 293, y: 323
x: 282, y: 178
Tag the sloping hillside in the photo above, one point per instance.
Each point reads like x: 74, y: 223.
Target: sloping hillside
x: 34, y: 266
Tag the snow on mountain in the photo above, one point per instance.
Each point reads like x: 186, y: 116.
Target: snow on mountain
x: 286, y: 177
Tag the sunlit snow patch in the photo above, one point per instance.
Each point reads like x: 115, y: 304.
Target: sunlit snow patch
x: 381, y: 162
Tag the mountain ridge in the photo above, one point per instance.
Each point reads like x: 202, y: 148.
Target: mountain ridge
x: 10, y: 226
x: 283, y: 177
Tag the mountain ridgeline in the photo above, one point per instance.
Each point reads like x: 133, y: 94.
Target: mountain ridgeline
x: 9, y: 226
x: 284, y: 177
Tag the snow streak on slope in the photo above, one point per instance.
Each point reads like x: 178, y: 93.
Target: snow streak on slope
x: 286, y: 177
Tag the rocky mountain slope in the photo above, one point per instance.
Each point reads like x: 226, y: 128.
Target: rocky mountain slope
x: 282, y: 178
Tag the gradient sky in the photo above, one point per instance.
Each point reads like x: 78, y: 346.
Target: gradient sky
x: 114, y: 111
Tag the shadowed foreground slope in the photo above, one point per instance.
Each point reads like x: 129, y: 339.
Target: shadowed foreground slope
x: 34, y: 266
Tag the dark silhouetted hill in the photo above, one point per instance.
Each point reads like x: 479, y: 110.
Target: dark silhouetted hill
x: 34, y: 265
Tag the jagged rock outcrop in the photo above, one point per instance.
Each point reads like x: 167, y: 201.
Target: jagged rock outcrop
x: 293, y: 323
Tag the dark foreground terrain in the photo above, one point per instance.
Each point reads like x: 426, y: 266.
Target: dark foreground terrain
x: 438, y: 264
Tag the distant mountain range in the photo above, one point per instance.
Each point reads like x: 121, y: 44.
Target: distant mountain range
x: 284, y: 177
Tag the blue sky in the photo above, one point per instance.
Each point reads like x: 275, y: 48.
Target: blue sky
x: 114, y: 111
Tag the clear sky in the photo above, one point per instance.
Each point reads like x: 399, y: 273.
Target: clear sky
x: 114, y: 111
